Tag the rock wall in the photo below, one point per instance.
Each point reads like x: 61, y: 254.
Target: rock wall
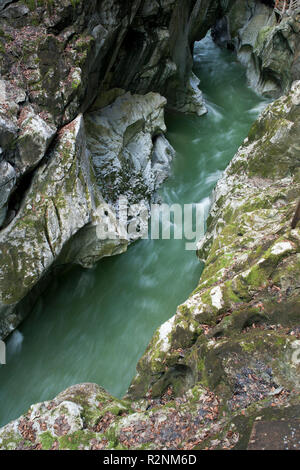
x: 57, y: 55
x: 269, y: 48
x: 229, y: 359
x: 251, y: 275
x: 230, y: 355
x: 61, y: 60
x: 130, y: 154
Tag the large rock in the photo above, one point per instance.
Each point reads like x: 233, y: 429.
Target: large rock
x: 62, y: 54
x: 59, y: 57
x: 63, y: 217
x: 244, y: 315
x: 269, y: 50
x: 160, y: 58
x: 33, y: 141
x: 127, y: 146
x: 54, y: 61
x: 56, y: 58
x: 62, y: 203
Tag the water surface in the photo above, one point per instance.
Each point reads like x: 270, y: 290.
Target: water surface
x: 93, y: 325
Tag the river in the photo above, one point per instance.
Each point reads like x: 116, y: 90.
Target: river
x: 94, y: 325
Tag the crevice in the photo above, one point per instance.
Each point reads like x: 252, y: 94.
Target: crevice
x: 7, y: 5
x: 48, y: 238
x: 57, y: 215
x: 23, y: 185
x: 16, y: 198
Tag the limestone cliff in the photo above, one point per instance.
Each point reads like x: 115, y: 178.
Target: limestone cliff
x: 82, y: 85
x: 229, y: 358
x: 61, y: 60
x: 267, y: 45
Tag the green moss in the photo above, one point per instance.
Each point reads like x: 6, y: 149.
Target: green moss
x: 75, y: 84
x: 33, y: 4
x: 74, y: 3
x: 263, y: 35
x: 184, y: 310
x: 230, y: 294
x: 11, y: 442
x: 202, y: 372
x: 47, y: 440
x: 257, y: 277
x: 248, y: 347
x: 77, y: 440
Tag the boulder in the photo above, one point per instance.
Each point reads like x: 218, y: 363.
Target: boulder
x: 269, y: 49
x: 120, y: 138
x: 62, y: 202
x: 33, y: 140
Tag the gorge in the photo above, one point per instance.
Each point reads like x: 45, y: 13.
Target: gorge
x: 226, y: 357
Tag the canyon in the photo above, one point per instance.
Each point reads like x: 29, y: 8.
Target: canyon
x: 83, y: 92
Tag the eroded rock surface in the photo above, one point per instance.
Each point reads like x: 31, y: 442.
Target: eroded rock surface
x: 85, y: 417
x: 126, y: 140
x: 62, y: 203
x: 251, y: 261
x: 269, y: 48
x: 56, y: 56
x: 230, y: 356
x: 60, y: 60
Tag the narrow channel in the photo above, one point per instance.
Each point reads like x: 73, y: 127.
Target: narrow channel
x: 93, y: 325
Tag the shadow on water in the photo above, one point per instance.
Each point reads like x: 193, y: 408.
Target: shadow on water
x: 93, y: 325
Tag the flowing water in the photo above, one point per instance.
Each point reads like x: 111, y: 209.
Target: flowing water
x: 93, y: 325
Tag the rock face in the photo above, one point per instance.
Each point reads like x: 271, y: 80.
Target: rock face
x: 130, y: 155
x: 56, y: 56
x: 63, y: 211
x: 63, y: 202
x: 251, y: 271
x: 230, y: 356
x: 270, y: 50
x: 60, y: 60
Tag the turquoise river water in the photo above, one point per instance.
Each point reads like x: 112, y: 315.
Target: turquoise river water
x: 94, y: 325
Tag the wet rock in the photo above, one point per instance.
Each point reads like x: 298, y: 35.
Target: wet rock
x: 223, y: 335
x: 62, y: 202
x: 120, y: 139
x: 33, y: 141
x: 268, y: 49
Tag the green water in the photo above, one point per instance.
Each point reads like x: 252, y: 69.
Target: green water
x: 92, y: 326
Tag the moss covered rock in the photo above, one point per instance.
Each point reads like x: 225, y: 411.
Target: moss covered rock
x: 229, y: 358
x: 61, y: 205
x: 269, y: 48
x: 243, y: 318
